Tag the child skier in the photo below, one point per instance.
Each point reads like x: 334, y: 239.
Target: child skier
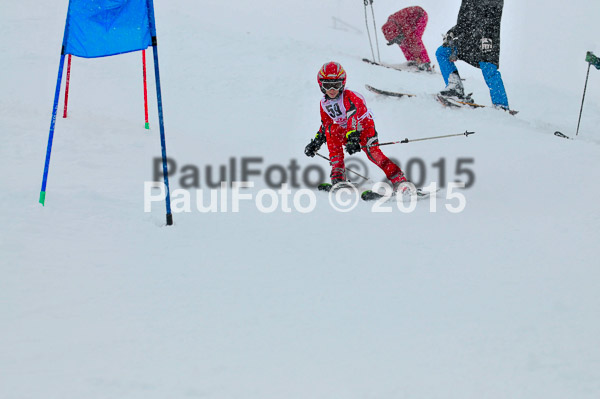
x: 345, y: 120
x: 474, y: 39
x: 405, y: 28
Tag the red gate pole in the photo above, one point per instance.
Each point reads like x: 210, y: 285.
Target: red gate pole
x: 145, y: 90
x: 67, y: 86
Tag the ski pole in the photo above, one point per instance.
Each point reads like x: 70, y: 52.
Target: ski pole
x: 349, y: 170
x: 405, y: 141
x: 583, y: 98
x: 368, y: 32
x: 375, y: 34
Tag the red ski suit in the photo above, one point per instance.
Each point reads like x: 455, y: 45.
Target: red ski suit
x: 342, y: 115
x: 411, y: 22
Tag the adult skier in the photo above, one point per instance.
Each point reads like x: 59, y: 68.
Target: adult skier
x: 474, y: 39
x: 346, y: 121
x: 405, y: 28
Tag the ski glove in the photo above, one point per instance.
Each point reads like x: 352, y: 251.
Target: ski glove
x: 316, y: 143
x: 449, y: 39
x: 353, y: 144
x: 397, y: 40
x: 311, y: 149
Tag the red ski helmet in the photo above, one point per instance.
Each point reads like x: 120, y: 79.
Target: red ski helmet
x: 331, y: 72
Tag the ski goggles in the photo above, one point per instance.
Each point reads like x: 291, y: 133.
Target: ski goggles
x: 332, y: 85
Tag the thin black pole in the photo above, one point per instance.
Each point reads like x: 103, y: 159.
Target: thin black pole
x: 584, y: 89
x: 349, y: 170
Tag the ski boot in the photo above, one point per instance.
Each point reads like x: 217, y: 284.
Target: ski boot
x: 454, y: 89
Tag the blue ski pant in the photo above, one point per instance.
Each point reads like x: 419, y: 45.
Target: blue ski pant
x: 491, y: 74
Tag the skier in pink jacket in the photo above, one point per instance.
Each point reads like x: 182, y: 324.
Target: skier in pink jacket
x: 405, y: 28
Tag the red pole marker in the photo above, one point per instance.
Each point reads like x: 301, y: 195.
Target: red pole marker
x: 67, y: 86
x: 145, y: 89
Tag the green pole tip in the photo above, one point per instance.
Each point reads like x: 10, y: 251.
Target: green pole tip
x: 42, y: 197
x: 147, y: 125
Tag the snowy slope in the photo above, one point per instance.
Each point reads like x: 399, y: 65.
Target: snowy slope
x: 99, y: 299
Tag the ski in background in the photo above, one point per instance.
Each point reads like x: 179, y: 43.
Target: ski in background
x: 454, y: 102
x: 445, y: 101
x: 405, y: 67
x: 388, y: 93
x: 559, y: 134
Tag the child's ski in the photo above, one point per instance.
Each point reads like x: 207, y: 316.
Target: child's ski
x: 371, y: 195
x: 324, y: 187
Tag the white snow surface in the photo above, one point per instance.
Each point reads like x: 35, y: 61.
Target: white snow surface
x: 99, y: 299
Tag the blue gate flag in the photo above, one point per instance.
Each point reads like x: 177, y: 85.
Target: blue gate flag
x: 99, y: 28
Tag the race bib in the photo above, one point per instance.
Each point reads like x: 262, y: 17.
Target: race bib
x: 336, y: 110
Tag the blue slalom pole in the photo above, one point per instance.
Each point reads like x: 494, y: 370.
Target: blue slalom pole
x: 162, y: 132
x: 150, y: 6
x: 52, y: 124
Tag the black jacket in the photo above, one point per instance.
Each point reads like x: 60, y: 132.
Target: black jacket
x: 477, y: 31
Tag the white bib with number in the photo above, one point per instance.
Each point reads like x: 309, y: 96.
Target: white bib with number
x: 335, y: 109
